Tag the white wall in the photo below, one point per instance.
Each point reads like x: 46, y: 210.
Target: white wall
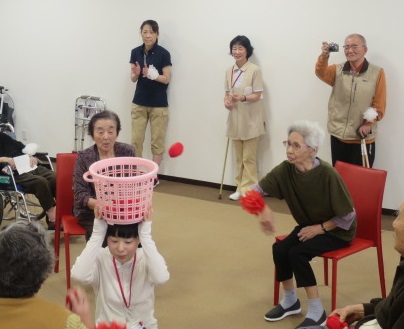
x: 56, y: 50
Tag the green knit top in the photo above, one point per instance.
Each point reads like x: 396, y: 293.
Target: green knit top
x: 313, y: 197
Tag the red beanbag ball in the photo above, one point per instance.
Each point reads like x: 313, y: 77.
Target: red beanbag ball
x: 175, y: 150
x: 253, y: 202
x: 333, y: 322
x: 113, y: 325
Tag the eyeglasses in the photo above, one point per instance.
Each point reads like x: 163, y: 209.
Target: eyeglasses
x: 353, y: 47
x: 295, y: 146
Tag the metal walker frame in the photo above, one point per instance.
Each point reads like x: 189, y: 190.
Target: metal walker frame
x: 86, y: 106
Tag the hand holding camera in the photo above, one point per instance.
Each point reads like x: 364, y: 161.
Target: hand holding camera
x: 327, y: 48
x: 333, y: 47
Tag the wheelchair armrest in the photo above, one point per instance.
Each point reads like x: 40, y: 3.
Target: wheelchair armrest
x: 3, y: 164
x: 6, y: 177
x: 44, y: 160
x: 41, y: 154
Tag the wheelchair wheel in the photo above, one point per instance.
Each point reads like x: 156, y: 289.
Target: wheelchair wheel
x: 34, y: 211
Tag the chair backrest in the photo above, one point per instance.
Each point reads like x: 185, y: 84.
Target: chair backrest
x: 65, y: 163
x: 366, y: 186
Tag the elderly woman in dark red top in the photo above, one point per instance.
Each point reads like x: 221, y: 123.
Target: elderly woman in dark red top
x: 104, y: 128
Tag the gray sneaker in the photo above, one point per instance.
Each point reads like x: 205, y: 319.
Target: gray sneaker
x: 278, y: 312
x: 311, y: 324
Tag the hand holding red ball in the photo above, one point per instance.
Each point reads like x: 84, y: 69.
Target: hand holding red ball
x: 253, y: 202
x: 333, y: 322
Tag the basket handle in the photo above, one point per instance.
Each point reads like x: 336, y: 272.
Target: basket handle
x: 87, y: 178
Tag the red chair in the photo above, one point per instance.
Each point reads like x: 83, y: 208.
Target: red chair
x: 366, y: 187
x: 65, y: 163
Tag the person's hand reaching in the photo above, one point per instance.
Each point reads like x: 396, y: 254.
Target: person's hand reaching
x: 148, y: 215
x: 266, y: 218
x: 77, y: 301
x: 350, y: 313
x: 98, y: 211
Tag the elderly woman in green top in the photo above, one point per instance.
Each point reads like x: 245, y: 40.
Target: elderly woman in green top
x: 323, y: 209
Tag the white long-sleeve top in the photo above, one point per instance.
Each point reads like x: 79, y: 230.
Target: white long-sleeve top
x: 95, y: 267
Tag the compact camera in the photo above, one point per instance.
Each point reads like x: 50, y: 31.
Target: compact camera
x: 333, y: 47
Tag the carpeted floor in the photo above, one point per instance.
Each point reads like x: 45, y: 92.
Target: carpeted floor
x: 221, y: 266
x: 214, y: 195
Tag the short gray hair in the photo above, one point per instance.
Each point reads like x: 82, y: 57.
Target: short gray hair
x: 360, y: 36
x: 26, y: 259
x: 312, y: 133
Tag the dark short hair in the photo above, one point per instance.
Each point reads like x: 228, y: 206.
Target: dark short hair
x: 243, y: 41
x: 152, y: 23
x: 123, y: 231
x: 104, y: 115
x: 26, y: 259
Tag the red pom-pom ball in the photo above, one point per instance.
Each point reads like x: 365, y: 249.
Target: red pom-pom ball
x: 253, y: 202
x: 333, y: 322
x: 176, y: 149
x: 113, y: 325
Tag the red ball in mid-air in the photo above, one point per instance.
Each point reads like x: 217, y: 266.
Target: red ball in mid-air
x: 175, y: 150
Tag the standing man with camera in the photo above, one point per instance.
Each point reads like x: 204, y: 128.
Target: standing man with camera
x: 357, y: 85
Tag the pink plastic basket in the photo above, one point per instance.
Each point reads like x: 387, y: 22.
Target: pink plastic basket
x: 124, y: 187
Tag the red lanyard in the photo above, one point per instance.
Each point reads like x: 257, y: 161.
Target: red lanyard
x: 127, y: 304
x: 232, y: 74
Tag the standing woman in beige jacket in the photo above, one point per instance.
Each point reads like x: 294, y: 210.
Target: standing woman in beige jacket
x: 246, y: 120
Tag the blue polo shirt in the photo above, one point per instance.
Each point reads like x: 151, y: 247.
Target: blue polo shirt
x: 148, y: 92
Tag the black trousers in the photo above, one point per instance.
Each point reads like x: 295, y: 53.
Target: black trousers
x: 292, y: 257
x: 42, y: 183
x: 86, y: 220
x: 351, y: 153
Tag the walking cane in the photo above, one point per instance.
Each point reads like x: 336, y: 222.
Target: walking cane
x: 365, y: 158
x: 224, y: 168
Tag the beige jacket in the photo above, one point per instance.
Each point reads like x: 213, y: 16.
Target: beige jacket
x: 247, y: 119
x: 351, y: 96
